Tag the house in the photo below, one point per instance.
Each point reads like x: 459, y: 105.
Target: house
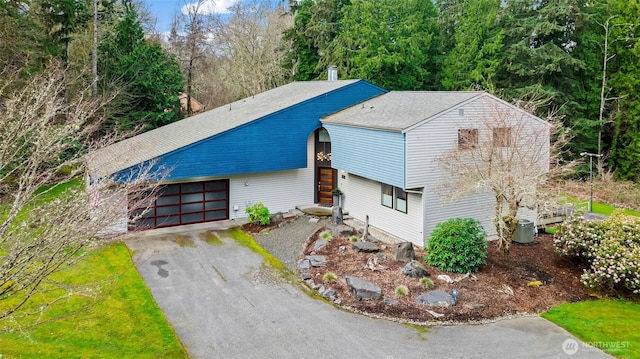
x: 387, y: 151
x: 268, y: 147
x: 196, y: 106
x: 292, y: 145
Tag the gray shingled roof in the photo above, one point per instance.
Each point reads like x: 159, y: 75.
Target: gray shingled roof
x: 157, y: 142
x: 399, y: 110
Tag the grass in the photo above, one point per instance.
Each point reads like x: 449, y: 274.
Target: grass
x: 125, y: 322
x: 598, y: 207
x: 611, y: 325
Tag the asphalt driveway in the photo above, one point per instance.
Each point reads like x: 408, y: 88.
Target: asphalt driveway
x: 224, y: 302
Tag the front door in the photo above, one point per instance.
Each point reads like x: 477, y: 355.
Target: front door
x: 326, y: 183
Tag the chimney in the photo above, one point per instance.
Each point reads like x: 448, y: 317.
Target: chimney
x: 333, y: 73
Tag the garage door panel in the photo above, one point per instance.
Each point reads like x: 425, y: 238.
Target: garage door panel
x: 215, y: 215
x: 193, y: 218
x: 162, y: 211
x: 165, y: 200
x: 186, y: 203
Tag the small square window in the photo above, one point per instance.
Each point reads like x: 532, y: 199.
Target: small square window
x: 502, y: 136
x: 467, y: 138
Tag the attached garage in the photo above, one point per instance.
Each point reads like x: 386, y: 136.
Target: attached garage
x: 186, y: 203
x: 259, y: 144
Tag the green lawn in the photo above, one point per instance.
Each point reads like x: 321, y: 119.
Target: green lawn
x: 600, y: 208
x: 611, y: 325
x: 124, y: 323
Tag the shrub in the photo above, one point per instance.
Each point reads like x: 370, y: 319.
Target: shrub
x: 258, y: 214
x: 427, y: 282
x: 326, y: 235
x: 457, y: 245
x: 329, y: 277
x: 610, y: 247
x: 353, y: 239
x: 402, y: 290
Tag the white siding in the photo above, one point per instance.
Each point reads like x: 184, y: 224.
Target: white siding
x: 362, y: 197
x: 279, y: 191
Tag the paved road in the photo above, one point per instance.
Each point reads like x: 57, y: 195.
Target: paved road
x: 224, y: 303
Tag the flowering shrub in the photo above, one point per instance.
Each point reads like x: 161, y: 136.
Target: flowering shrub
x: 611, y: 247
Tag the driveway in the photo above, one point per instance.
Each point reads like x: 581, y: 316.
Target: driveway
x: 224, y: 302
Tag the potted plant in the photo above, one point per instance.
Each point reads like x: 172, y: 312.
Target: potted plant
x: 336, y: 193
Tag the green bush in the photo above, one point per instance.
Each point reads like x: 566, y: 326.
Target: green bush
x: 610, y: 247
x: 258, y: 214
x: 457, y: 245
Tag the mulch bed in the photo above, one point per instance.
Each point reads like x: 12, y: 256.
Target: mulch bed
x: 480, y: 299
x: 483, y: 296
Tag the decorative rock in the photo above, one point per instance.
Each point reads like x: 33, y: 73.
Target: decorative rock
x: 305, y: 276
x: 320, y: 243
x: 277, y: 217
x: 404, y: 252
x: 316, y: 286
x: 314, y: 220
x: 310, y: 283
x: 316, y: 261
x: 381, y: 255
x: 362, y: 289
x: 340, y: 230
x: 415, y: 270
x: 342, y: 249
x: 336, y: 214
x: 304, y: 264
x: 328, y: 293
x: 445, y: 278
x: 389, y: 301
x: 321, y: 289
x: 369, y: 238
x: 337, y: 301
x: 436, y: 298
x: 364, y: 247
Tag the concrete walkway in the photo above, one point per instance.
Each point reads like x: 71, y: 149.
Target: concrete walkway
x: 224, y: 303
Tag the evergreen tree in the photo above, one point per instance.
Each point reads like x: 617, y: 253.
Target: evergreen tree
x: 472, y: 58
x: 392, y: 43
x: 147, y: 80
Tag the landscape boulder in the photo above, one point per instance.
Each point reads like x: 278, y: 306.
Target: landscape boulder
x: 340, y: 230
x: 414, y: 269
x: 404, y: 252
x: 362, y: 289
x: 319, y: 244
x: 316, y: 261
x: 436, y: 298
x: 366, y: 247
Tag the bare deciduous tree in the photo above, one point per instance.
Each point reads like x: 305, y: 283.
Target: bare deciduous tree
x: 189, y: 40
x: 45, y: 219
x: 507, y: 153
x: 253, y: 46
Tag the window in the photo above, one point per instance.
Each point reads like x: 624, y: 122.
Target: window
x: 502, y: 136
x: 387, y: 195
x: 394, y: 197
x: 467, y: 138
x: 401, y: 200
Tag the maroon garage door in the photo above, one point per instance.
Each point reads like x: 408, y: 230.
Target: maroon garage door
x: 186, y: 203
